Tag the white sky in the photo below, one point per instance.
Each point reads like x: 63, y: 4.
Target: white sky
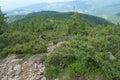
x: 7, y: 5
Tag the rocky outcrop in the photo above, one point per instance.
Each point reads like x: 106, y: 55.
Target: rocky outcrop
x: 31, y: 69
x: 52, y: 46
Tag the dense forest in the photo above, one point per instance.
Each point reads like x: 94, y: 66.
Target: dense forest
x: 90, y: 44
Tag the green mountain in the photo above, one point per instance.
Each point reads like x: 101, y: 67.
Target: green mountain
x: 60, y: 15
x: 13, y: 18
x: 76, y: 46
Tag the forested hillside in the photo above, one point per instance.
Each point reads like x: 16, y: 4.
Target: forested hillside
x: 60, y: 15
x: 89, y: 50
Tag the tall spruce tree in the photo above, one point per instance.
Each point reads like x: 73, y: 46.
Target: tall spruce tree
x: 3, y: 22
x: 73, y: 28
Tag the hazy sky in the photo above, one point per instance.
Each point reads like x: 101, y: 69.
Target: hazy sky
x: 14, y: 4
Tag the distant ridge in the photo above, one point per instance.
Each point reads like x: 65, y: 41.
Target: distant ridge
x: 64, y: 15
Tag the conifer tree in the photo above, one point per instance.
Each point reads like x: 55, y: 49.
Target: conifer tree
x: 3, y: 23
x: 73, y: 28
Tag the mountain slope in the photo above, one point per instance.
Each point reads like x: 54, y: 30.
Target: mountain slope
x: 63, y: 15
x: 74, y: 46
x: 13, y: 18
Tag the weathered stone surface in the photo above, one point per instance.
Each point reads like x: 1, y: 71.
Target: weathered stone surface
x: 44, y: 78
x: 5, y: 78
x: 18, y: 69
x: 32, y: 69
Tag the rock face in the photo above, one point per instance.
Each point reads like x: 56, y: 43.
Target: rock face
x: 32, y: 69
